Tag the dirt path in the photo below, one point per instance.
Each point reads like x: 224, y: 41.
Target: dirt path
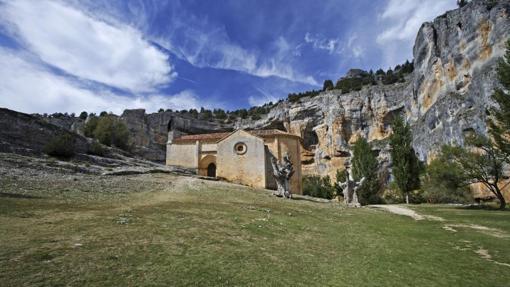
x: 402, y: 210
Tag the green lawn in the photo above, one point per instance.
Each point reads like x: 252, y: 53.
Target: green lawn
x: 163, y: 230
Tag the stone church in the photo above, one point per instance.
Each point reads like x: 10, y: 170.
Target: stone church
x: 241, y: 156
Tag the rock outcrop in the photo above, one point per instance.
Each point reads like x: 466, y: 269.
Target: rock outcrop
x: 447, y: 95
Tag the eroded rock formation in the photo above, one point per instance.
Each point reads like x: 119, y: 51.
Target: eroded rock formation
x: 446, y: 96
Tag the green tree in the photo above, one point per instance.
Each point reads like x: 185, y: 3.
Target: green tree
x: 406, y: 167
x: 481, y: 163
x: 328, y: 85
x: 84, y: 115
x: 444, y: 182
x: 112, y: 132
x: 90, y: 126
x: 364, y: 164
x: 499, y: 123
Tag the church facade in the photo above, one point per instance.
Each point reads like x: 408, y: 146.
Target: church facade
x: 241, y: 156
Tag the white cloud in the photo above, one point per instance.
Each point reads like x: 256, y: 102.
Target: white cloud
x: 69, y: 39
x: 29, y: 87
x: 263, y: 99
x: 400, y: 21
x: 336, y: 46
x: 330, y: 45
x: 204, y: 46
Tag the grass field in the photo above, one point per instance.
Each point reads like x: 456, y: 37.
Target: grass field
x: 165, y: 230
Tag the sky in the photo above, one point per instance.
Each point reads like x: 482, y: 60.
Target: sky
x: 111, y: 55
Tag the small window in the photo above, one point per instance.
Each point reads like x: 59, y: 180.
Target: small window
x: 240, y: 148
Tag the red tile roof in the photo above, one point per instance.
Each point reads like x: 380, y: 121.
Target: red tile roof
x: 216, y: 137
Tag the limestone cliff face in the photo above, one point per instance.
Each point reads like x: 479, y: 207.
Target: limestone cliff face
x: 446, y: 96
x: 455, y: 73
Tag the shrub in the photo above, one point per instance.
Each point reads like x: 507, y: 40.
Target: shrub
x: 96, y: 149
x: 443, y: 183
x: 392, y: 194
x: 84, y: 115
x: 108, y: 130
x: 111, y: 131
x: 61, y: 146
x: 317, y: 186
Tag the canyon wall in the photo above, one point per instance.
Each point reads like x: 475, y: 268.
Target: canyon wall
x: 447, y: 95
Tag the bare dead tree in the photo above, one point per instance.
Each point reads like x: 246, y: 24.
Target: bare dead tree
x: 350, y: 190
x: 282, y: 173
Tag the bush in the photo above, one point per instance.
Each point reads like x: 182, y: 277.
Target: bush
x: 61, y: 146
x: 111, y: 131
x: 392, y: 194
x: 108, y: 130
x: 96, y: 149
x: 317, y: 186
x: 443, y: 183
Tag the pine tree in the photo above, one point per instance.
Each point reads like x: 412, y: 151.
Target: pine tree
x: 328, y: 85
x: 499, y: 124
x: 364, y: 164
x: 406, y: 166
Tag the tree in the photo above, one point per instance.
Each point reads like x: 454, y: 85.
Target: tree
x: 112, y: 132
x: 444, y: 182
x: 462, y: 3
x: 90, y: 126
x: 406, y: 167
x: 482, y: 163
x: 499, y: 123
x: 365, y: 165
x: 83, y: 115
x: 328, y: 85
x: 108, y: 130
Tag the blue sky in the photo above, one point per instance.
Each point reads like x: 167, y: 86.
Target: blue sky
x: 97, y: 55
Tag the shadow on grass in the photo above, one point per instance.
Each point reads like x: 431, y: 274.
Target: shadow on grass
x: 310, y: 198
x: 490, y: 207
x: 14, y: 195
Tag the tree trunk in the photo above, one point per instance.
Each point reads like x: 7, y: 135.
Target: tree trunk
x: 501, y: 198
x: 407, y: 198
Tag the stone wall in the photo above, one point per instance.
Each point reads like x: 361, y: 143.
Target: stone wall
x: 183, y: 154
x: 247, y: 168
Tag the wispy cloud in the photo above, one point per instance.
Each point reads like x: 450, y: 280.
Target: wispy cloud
x: 205, y: 44
x: 263, y: 98
x: 29, y: 87
x: 77, y: 43
x: 336, y: 45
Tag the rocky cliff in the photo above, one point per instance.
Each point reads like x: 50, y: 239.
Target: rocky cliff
x: 446, y: 96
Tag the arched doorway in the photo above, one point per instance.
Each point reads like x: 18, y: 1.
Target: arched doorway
x: 207, y: 166
x: 211, y: 170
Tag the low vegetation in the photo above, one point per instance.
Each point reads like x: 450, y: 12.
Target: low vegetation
x: 317, y: 186
x: 108, y: 130
x: 62, y: 146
